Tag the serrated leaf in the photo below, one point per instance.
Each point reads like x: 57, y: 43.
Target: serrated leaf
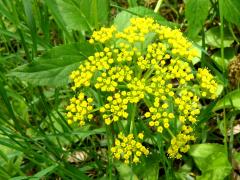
x: 230, y: 100
x: 54, y: 67
x: 213, y: 37
x: 122, y: 20
x: 212, y: 160
x: 196, y: 14
x: 231, y: 11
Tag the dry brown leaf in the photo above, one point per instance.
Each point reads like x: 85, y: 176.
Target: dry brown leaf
x: 78, y: 156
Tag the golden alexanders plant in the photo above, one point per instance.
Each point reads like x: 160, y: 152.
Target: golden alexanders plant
x: 145, y: 77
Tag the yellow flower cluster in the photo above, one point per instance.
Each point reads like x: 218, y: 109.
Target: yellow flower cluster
x: 159, y: 116
x: 180, y: 70
x: 79, y: 109
x: 159, y: 86
x: 179, y: 143
x: 180, y: 46
x: 103, y: 35
x: 188, y: 106
x: 207, y: 83
x: 144, y: 62
x: 138, y: 29
x: 109, y: 81
x: 155, y: 57
x: 83, y: 76
x: 115, y: 108
x: 137, y: 88
x: 128, y: 148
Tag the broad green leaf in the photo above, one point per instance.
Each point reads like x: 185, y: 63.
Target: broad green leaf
x: 229, y: 54
x: 205, y: 150
x: 230, y: 100
x: 212, y: 160
x: 213, y: 37
x: 96, y: 11
x: 231, y: 10
x: 196, y: 14
x: 83, y: 15
x: 125, y: 171
x: 73, y: 16
x: 54, y: 67
x: 122, y: 20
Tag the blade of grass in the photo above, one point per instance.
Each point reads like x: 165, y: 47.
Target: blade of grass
x: 31, y: 24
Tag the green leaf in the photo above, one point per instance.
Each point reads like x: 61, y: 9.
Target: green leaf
x: 184, y: 172
x: 83, y: 15
x: 122, y: 20
x: 212, y: 160
x: 213, y: 37
x: 73, y: 16
x: 196, y: 14
x: 230, y: 100
x: 148, y: 173
x: 57, y: 15
x: 231, y: 11
x: 96, y: 11
x: 229, y: 54
x: 125, y: 171
x: 54, y: 67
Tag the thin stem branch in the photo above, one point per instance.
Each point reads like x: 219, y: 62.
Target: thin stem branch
x: 223, y: 70
x: 158, y: 6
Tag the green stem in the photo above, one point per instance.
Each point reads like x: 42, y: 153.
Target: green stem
x: 203, y: 45
x: 158, y: 6
x: 132, y: 122
x: 148, y: 73
x: 170, y: 132
x: 223, y: 70
x: 109, y: 139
